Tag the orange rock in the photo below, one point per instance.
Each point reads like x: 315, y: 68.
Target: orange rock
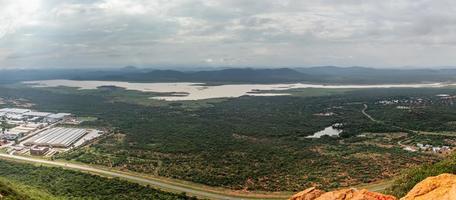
x: 338, y: 195
x: 344, y: 194
x: 442, y: 187
x: 354, y: 194
x: 308, y: 194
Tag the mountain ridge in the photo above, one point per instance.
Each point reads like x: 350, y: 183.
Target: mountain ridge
x: 318, y: 75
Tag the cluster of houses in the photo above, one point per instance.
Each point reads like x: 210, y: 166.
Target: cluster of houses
x: 428, y: 148
x: 435, y: 149
x: 443, y: 98
x: 325, y: 114
x: 401, y: 101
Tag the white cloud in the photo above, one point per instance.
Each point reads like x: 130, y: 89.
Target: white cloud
x: 234, y: 32
x: 17, y: 14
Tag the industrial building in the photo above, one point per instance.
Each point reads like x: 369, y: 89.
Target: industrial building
x: 11, y: 135
x: 57, y: 137
x: 18, y: 115
x: 38, y: 151
x: 56, y: 117
x: 37, y: 132
x: 37, y: 114
x: 17, y: 111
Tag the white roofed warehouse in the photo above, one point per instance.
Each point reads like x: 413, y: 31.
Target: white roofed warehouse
x: 57, y: 117
x: 57, y: 137
x: 38, y: 114
x: 14, y: 110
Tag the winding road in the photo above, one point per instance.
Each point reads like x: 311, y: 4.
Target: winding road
x: 165, y: 185
x: 367, y: 115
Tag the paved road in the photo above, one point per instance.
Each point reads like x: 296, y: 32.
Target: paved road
x: 156, y: 183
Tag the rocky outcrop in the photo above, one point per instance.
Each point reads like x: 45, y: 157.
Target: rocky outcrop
x: 308, y: 194
x: 442, y: 187
x: 344, y: 194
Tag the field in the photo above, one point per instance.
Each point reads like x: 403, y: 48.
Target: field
x: 256, y: 143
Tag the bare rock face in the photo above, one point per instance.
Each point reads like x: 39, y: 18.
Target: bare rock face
x: 354, y: 194
x: 308, y: 194
x: 344, y: 194
x: 442, y: 187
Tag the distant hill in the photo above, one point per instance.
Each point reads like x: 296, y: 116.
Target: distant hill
x: 321, y: 75
x: 244, y: 75
x: 130, y: 68
x: 364, y: 75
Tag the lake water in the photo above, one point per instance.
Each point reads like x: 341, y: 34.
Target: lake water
x: 198, y: 91
x: 329, y: 131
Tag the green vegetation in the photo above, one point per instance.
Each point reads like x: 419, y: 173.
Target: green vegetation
x: 26, y: 181
x: 411, y: 177
x: 114, y: 94
x: 12, y: 190
x: 86, y: 119
x: 253, y: 143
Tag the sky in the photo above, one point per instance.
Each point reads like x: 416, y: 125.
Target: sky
x: 248, y: 33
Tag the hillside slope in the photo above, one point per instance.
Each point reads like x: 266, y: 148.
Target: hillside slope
x: 411, y: 177
x: 10, y: 190
x: 25, y: 181
x: 428, y: 182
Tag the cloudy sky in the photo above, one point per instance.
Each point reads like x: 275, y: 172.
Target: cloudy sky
x: 273, y: 33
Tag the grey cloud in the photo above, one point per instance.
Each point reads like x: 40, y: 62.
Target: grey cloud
x: 227, y: 32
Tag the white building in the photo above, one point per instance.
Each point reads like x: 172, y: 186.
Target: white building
x: 37, y: 114
x: 56, y: 117
x: 14, y: 110
x: 57, y: 137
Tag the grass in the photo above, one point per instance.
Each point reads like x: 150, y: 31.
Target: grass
x: 87, y: 119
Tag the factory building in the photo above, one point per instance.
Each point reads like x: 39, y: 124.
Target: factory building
x: 56, y: 117
x: 21, y: 115
x: 10, y: 135
x: 17, y: 111
x: 37, y: 114
x: 38, y: 151
x: 57, y: 137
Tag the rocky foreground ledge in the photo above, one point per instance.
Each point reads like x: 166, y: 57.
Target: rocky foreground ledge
x: 442, y: 187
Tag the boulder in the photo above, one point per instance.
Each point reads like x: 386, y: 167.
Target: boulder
x: 354, y: 194
x: 308, y: 194
x: 442, y: 187
x: 344, y: 194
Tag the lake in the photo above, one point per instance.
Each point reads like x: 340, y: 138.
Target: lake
x: 198, y: 91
